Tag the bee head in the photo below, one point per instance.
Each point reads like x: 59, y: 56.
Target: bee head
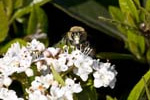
x: 77, y: 35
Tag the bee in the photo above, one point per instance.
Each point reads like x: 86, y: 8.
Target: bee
x: 76, y: 35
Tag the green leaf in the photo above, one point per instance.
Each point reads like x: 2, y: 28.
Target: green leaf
x: 4, y: 27
x: 8, y: 4
x: 4, y: 48
x: 26, y: 10
x: 37, y: 20
x: 56, y: 75
x: 137, y: 2
x: 129, y: 20
x: 20, y: 12
x: 147, y: 6
x: 136, y: 44
x: 148, y: 55
x: 110, y: 98
x: 134, y: 49
x: 116, y: 13
x: 32, y: 23
x: 88, y: 93
x: 112, y: 55
x: 139, y: 89
x: 88, y: 12
x: 141, y: 43
x: 17, y: 4
x: 146, y: 88
x: 128, y: 6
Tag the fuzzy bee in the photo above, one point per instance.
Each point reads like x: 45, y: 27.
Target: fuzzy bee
x: 76, y: 35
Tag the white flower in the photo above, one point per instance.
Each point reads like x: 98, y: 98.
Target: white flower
x: 41, y: 83
x: 37, y: 95
x: 29, y: 72
x: 9, y: 62
x: 104, y: 75
x: 6, y: 94
x: 7, y: 66
x: 83, y: 65
x: 70, y: 85
x: 15, y: 60
x: 68, y: 58
x: 65, y: 92
x: 62, y: 64
x: 13, y: 50
x: 53, y: 51
x: 5, y: 80
x: 56, y: 93
x: 24, y: 59
x: 36, y: 45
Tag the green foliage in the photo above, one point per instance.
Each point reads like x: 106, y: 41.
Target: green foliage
x: 110, y: 98
x: 3, y: 19
x: 17, y: 4
x: 8, y: 4
x: 38, y: 19
x: 128, y: 7
x: 138, y: 92
x: 146, y: 88
x: 129, y: 20
x: 30, y: 16
x: 136, y: 44
x: 147, y: 6
x: 148, y: 55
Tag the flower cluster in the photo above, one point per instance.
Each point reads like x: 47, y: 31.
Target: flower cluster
x: 57, y: 73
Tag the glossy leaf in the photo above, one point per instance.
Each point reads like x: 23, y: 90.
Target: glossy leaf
x: 136, y: 44
x: 118, y: 16
x: 116, y: 13
x: 25, y: 10
x: 37, y: 20
x: 148, y: 55
x: 141, y: 43
x: 88, y: 12
x: 147, y: 6
x: 17, y: 4
x: 139, y: 89
x: 8, y: 4
x: 137, y: 2
x: 110, y: 98
x: 146, y: 88
x: 5, y: 47
x: 3, y: 22
x: 129, y: 20
x: 128, y: 6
